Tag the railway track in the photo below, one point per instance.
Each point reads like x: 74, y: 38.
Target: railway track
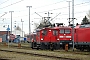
x: 40, y: 55
x: 75, y: 52
x: 27, y: 47
x: 4, y: 59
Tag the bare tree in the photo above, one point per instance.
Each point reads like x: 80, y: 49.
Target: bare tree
x: 36, y: 25
x: 18, y: 28
x: 85, y: 20
x: 42, y: 24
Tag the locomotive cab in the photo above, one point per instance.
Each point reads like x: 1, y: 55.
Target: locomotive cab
x: 65, y: 36
x: 49, y: 38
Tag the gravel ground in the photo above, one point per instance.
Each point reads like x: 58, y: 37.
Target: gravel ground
x: 17, y: 56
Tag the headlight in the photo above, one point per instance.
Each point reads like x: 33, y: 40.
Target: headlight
x: 57, y: 39
x: 41, y: 38
x: 70, y: 39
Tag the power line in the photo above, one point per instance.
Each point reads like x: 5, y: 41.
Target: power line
x: 3, y: 14
x: 49, y: 4
x: 4, y: 2
x: 60, y: 8
x: 56, y: 8
x: 61, y: 14
x: 43, y: 6
x: 65, y: 7
x: 12, y: 4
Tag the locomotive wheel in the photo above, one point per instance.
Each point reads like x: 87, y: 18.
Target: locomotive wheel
x: 37, y: 48
x: 52, y: 49
x: 88, y: 49
x: 32, y: 45
x: 81, y: 49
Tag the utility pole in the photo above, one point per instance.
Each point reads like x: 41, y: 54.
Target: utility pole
x: 15, y: 27
x: 73, y: 22
x: 69, y: 10
x: 22, y: 27
x: 29, y: 20
x: 11, y: 20
x: 48, y: 16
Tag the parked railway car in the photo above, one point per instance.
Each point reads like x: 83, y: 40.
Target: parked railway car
x: 10, y: 38
x: 33, y: 40
x: 65, y: 36
x: 82, y: 37
x: 29, y: 38
x: 47, y: 38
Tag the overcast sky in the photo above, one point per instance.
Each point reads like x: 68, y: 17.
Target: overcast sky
x: 41, y: 7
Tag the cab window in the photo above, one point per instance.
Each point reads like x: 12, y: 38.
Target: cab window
x: 61, y: 31
x: 55, y: 32
x: 44, y: 32
x: 67, y: 31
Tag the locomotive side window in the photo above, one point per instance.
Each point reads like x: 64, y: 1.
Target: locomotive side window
x: 67, y: 31
x: 55, y: 32
x: 44, y: 32
x: 62, y: 31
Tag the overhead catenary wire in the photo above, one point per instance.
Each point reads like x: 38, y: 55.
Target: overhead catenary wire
x: 44, y: 6
x: 61, y: 14
x: 49, y: 4
x: 12, y: 4
x: 53, y: 9
x: 65, y: 7
x: 57, y: 9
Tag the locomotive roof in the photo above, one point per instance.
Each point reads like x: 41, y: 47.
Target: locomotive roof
x: 37, y: 30
x: 67, y: 27
x: 83, y: 26
x: 46, y: 28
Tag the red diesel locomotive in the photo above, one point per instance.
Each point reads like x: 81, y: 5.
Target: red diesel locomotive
x: 47, y: 38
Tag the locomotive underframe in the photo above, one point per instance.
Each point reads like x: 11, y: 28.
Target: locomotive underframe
x: 82, y: 46
x: 64, y: 42
x: 46, y: 45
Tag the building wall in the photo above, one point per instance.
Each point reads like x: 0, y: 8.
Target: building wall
x: 3, y: 32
